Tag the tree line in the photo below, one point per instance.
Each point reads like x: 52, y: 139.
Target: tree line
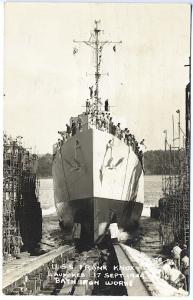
x: 156, y: 162
x: 44, y: 167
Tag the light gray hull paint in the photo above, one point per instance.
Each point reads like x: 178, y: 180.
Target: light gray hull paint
x: 96, y: 165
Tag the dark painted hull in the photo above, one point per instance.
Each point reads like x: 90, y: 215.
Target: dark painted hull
x: 93, y: 212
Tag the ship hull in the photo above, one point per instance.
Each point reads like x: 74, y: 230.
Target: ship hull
x: 95, y: 174
x: 94, y: 214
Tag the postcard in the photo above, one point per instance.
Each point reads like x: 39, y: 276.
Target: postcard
x: 96, y: 149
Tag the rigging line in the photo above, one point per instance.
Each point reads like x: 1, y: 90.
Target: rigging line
x: 64, y: 175
x: 88, y: 44
x: 125, y: 172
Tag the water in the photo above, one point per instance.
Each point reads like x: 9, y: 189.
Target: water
x: 152, y: 192
x: 153, y: 189
x: 51, y: 233
x: 148, y: 228
x: 46, y: 196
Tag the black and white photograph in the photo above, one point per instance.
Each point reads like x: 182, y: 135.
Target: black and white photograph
x: 96, y: 149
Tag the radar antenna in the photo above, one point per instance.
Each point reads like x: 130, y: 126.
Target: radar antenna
x: 97, y: 45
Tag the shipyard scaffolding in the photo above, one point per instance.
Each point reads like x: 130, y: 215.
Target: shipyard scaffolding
x: 22, y: 216
x: 174, y: 206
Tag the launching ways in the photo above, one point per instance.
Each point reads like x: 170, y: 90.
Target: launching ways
x: 135, y: 285
x: 62, y: 271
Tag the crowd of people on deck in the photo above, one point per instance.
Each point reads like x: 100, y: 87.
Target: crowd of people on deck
x: 103, y: 121
x: 176, y: 270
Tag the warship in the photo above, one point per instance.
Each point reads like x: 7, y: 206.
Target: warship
x: 97, y: 168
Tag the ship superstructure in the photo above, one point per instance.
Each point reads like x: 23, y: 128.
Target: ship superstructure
x: 97, y: 166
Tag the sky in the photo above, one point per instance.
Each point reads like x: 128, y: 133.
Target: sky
x: 45, y: 84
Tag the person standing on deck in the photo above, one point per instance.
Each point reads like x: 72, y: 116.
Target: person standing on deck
x: 79, y: 121
x: 110, y: 125
x: 73, y: 128
x: 118, y: 130
x: 126, y: 132
x: 91, y: 91
x: 87, y: 106
x: 97, y: 120
x: 68, y: 130
x: 142, y: 145
x: 140, y: 155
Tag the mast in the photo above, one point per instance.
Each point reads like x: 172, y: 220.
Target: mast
x: 95, y: 43
x: 97, y: 74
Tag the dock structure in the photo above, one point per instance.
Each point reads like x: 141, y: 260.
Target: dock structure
x: 11, y: 163
x: 30, y: 276
x: 61, y: 271
x: 20, y: 198
x: 174, y: 206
